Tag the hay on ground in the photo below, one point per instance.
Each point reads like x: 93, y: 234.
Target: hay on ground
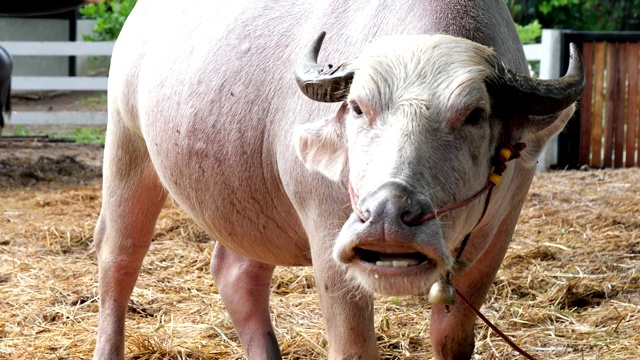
x: 569, y: 287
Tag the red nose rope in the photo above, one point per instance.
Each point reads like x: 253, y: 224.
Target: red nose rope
x: 507, y: 153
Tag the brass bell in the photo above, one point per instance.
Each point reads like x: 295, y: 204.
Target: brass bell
x: 442, y: 292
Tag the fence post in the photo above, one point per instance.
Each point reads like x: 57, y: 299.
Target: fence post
x: 550, y: 69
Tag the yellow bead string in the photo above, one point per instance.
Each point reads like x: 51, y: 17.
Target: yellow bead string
x: 505, y: 155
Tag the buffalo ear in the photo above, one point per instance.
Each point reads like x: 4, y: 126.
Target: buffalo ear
x: 322, y: 145
x: 554, y: 122
x: 533, y: 124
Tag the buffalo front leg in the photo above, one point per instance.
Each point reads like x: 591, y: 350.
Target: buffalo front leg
x: 347, y: 309
x: 244, y: 286
x: 452, y: 334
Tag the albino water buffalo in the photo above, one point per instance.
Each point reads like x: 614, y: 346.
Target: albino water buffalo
x: 6, y: 66
x: 204, y: 106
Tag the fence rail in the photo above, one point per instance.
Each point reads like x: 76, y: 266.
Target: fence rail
x: 58, y: 48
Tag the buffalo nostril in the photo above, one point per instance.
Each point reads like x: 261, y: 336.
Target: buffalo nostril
x: 410, y: 218
x: 363, y: 216
x: 394, y: 204
x: 366, y: 215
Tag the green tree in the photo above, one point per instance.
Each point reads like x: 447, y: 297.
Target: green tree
x: 595, y: 15
x: 530, y: 33
x: 586, y: 15
x: 110, y: 16
x: 524, y: 13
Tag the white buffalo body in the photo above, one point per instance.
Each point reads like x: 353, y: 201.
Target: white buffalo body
x: 203, y: 106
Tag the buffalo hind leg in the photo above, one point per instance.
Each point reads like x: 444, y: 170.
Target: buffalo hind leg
x: 132, y: 200
x: 244, y: 287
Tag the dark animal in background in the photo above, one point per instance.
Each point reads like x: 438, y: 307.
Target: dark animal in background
x: 6, y: 64
x: 33, y: 8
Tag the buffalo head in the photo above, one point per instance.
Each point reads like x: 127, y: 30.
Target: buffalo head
x: 420, y: 121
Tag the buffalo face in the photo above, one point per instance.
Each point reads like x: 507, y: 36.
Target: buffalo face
x: 421, y: 119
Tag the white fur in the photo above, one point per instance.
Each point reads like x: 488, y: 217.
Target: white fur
x: 322, y: 146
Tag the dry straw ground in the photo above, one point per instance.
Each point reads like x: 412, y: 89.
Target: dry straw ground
x: 569, y: 287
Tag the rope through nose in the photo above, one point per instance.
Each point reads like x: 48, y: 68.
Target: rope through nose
x: 354, y: 204
x: 506, y: 153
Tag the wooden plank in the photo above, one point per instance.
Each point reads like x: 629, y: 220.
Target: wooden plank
x: 58, y: 48
x: 52, y: 83
x: 619, y: 105
x: 633, y: 111
x: 586, y: 109
x: 598, y: 97
x: 610, y: 103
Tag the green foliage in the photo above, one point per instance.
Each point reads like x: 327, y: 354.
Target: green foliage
x: 595, y: 15
x: 19, y: 130
x: 110, y: 16
x: 84, y: 135
x: 87, y: 135
x: 547, y: 6
x: 584, y: 15
x: 523, y: 11
x: 90, y: 102
x: 530, y: 33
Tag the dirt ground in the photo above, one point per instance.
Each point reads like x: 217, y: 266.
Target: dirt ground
x: 27, y: 163
x: 569, y: 287
x: 60, y: 101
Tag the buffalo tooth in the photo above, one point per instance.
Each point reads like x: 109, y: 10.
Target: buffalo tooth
x: 384, y: 263
x: 400, y: 263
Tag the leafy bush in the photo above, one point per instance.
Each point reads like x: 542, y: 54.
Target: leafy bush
x: 530, y: 33
x: 19, y: 130
x: 596, y: 15
x: 584, y: 15
x: 87, y: 135
x: 110, y: 16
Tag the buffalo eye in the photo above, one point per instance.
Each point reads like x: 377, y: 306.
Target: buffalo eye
x: 355, y: 107
x: 474, y: 117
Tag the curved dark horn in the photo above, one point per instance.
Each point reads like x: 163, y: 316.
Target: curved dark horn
x: 531, y: 96
x: 322, y: 83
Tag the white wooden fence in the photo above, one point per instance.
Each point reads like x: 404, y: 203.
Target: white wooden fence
x: 58, y: 48
x: 547, y: 52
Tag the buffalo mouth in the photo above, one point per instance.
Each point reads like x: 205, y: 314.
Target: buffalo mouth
x: 392, y: 260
